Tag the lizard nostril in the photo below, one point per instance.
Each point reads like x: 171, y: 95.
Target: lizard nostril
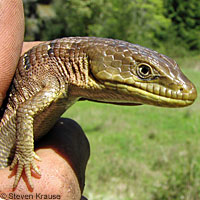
x: 189, y: 90
x: 181, y: 89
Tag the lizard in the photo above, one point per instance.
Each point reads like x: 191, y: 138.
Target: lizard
x: 53, y: 75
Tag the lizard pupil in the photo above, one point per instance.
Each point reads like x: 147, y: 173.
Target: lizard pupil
x: 145, y: 70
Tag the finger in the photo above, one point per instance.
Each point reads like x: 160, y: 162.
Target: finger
x: 11, y: 38
x: 29, y: 45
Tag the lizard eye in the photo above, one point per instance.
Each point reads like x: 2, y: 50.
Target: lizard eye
x: 144, y: 70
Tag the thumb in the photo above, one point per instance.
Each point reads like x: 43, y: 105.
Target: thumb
x: 11, y: 38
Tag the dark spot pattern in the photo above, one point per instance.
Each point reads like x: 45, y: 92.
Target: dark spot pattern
x: 27, y: 64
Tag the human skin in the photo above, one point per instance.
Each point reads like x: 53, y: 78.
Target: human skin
x: 62, y: 170
x: 11, y: 40
x: 64, y: 152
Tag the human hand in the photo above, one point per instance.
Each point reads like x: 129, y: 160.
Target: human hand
x: 64, y: 152
x: 58, y: 175
x: 11, y: 39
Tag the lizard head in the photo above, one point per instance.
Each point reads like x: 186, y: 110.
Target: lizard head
x: 137, y: 75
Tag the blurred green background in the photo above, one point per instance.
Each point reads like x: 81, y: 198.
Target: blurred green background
x: 169, y: 26
x: 141, y: 152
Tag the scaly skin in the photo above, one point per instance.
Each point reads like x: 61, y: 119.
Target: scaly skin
x: 52, y: 76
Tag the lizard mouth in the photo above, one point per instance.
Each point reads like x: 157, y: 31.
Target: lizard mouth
x: 148, y: 93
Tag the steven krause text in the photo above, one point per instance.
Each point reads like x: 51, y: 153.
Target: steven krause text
x: 38, y: 196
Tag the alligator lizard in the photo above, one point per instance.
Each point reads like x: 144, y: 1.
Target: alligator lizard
x: 53, y: 75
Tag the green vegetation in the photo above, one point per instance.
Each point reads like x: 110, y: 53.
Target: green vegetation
x: 169, y: 26
x: 141, y: 152
x: 185, y: 18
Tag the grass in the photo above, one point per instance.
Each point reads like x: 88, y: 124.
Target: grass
x: 142, y: 152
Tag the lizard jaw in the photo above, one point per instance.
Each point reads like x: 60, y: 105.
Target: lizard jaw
x: 159, y: 97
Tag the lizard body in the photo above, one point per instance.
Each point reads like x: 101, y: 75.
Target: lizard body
x: 53, y: 75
